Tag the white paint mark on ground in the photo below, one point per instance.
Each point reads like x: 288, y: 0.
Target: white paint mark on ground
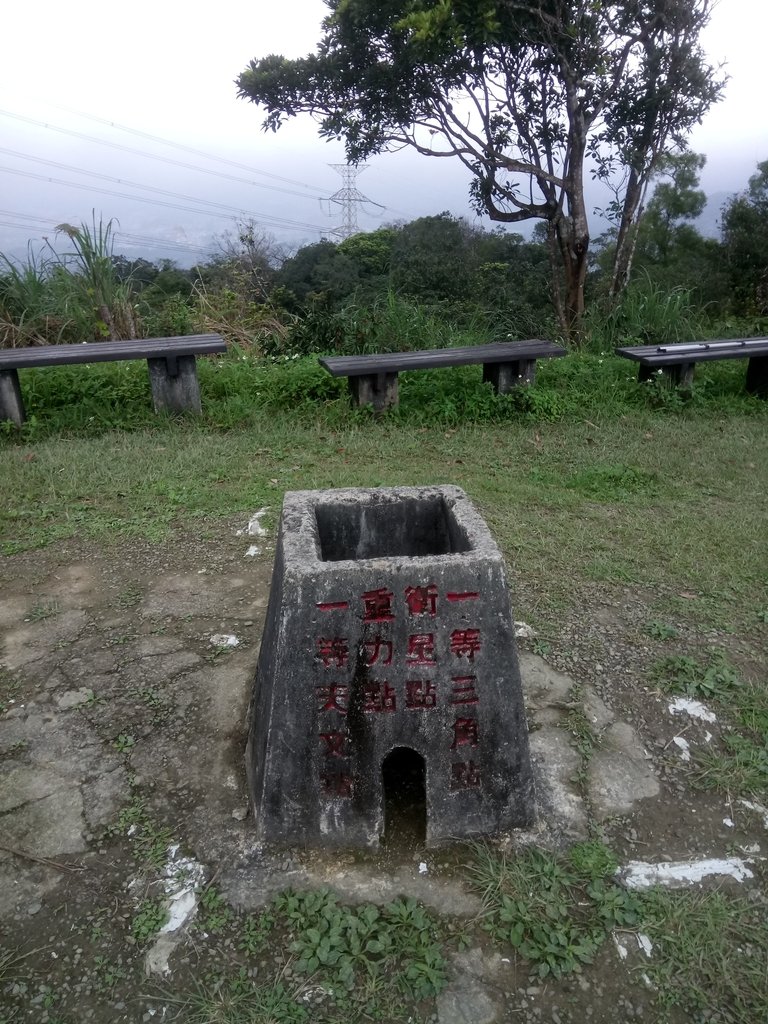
x: 640, y: 874
x: 183, y: 878
x: 621, y: 940
x: 524, y: 632
x: 728, y: 822
x: 254, y: 527
x: 252, y: 551
x: 694, y: 708
x: 423, y: 868
x: 682, y: 743
x: 224, y: 640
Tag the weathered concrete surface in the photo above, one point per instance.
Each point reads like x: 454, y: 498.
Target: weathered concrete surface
x: 389, y: 630
x: 619, y: 771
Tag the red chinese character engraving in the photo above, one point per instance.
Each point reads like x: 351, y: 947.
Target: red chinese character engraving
x: 335, y: 781
x: 466, y: 595
x: 421, y: 600
x: 378, y: 605
x: 420, y: 694
x: 334, y: 743
x: 373, y: 651
x: 464, y: 733
x: 378, y: 697
x: 421, y: 649
x: 464, y: 775
x: 463, y: 690
x: 465, y: 643
x: 332, y: 606
x: 333, y: 651
x: 332, y: 698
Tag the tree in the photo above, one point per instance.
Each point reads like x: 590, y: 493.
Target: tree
x: 527, y: 94
x: 247, y: 261
x: 745, y: 238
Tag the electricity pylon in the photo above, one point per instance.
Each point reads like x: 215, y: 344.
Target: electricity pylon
x: 349, y: 198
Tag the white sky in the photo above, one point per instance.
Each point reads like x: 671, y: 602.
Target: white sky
x: 163, y: 69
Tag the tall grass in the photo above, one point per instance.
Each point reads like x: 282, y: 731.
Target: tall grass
x: 645, y: 314
x: 71, y: 296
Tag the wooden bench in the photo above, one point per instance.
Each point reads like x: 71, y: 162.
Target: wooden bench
x: 171, y: 363
x: 677, y: 361
x: 506, y: 364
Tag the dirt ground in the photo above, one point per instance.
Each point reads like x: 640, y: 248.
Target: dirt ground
x: 122, y: 712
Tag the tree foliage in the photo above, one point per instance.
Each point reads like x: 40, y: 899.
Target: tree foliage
x: 530, y: 97
x: 745, y: 238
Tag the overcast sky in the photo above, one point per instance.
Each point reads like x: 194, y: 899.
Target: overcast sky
x: 84, y: 70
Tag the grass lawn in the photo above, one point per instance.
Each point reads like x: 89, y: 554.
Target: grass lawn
x: 591, y: 485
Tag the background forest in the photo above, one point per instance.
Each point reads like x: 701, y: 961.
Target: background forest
x: 434, y: 281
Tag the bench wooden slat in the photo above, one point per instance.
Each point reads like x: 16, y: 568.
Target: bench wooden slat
x: 669, y: 355
x: 171, y: 363
x: 428, y: 359
x: 111, y: 351
x: 677, y: 361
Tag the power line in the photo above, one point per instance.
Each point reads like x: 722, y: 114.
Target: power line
x: 278, y: 221
x: 181, y: 146
x: 125, y: 182
x: 41, y: 223
x: 163, y: 159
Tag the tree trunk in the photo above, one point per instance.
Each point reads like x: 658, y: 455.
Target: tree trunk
x: 626, y: 240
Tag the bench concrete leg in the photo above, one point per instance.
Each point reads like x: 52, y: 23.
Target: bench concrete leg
x: 757, y: 376
x: 11, y: 402
x: 680, y: 375
x: 377, y: 389
x: 174, y: 384
x: 506, y: 376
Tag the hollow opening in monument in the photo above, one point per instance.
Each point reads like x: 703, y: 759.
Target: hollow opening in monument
x: 404, y: 777
x: 411, y: 527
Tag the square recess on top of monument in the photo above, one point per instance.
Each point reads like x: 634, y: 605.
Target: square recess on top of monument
x: 388, y: 631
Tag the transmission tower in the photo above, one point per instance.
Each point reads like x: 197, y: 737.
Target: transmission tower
x: 349, y: 198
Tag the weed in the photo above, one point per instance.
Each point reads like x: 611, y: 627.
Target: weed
x: 150, y: 916
x: 256, y: 932
x: 213, y: 912
x: 661, y: 630
x: 741, y: 766
x: 124, y: 743
x: 361, y: 949
x: 709, y: 954
x: 155, y: 701
x: 239, y: 1000
x: 10, y: 687
x: 149, y: 840
x: 43, y: 610
x: 554, y: 913
x: 129, y: 597
x: 108, y: 973
x: 683, y: 674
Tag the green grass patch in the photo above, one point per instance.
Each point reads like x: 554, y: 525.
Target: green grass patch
x: 740, y: 766
x: 709, y: 954
x: 555, y: 912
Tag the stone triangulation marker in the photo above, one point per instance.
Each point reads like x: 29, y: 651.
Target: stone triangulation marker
x: 388, y: 631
